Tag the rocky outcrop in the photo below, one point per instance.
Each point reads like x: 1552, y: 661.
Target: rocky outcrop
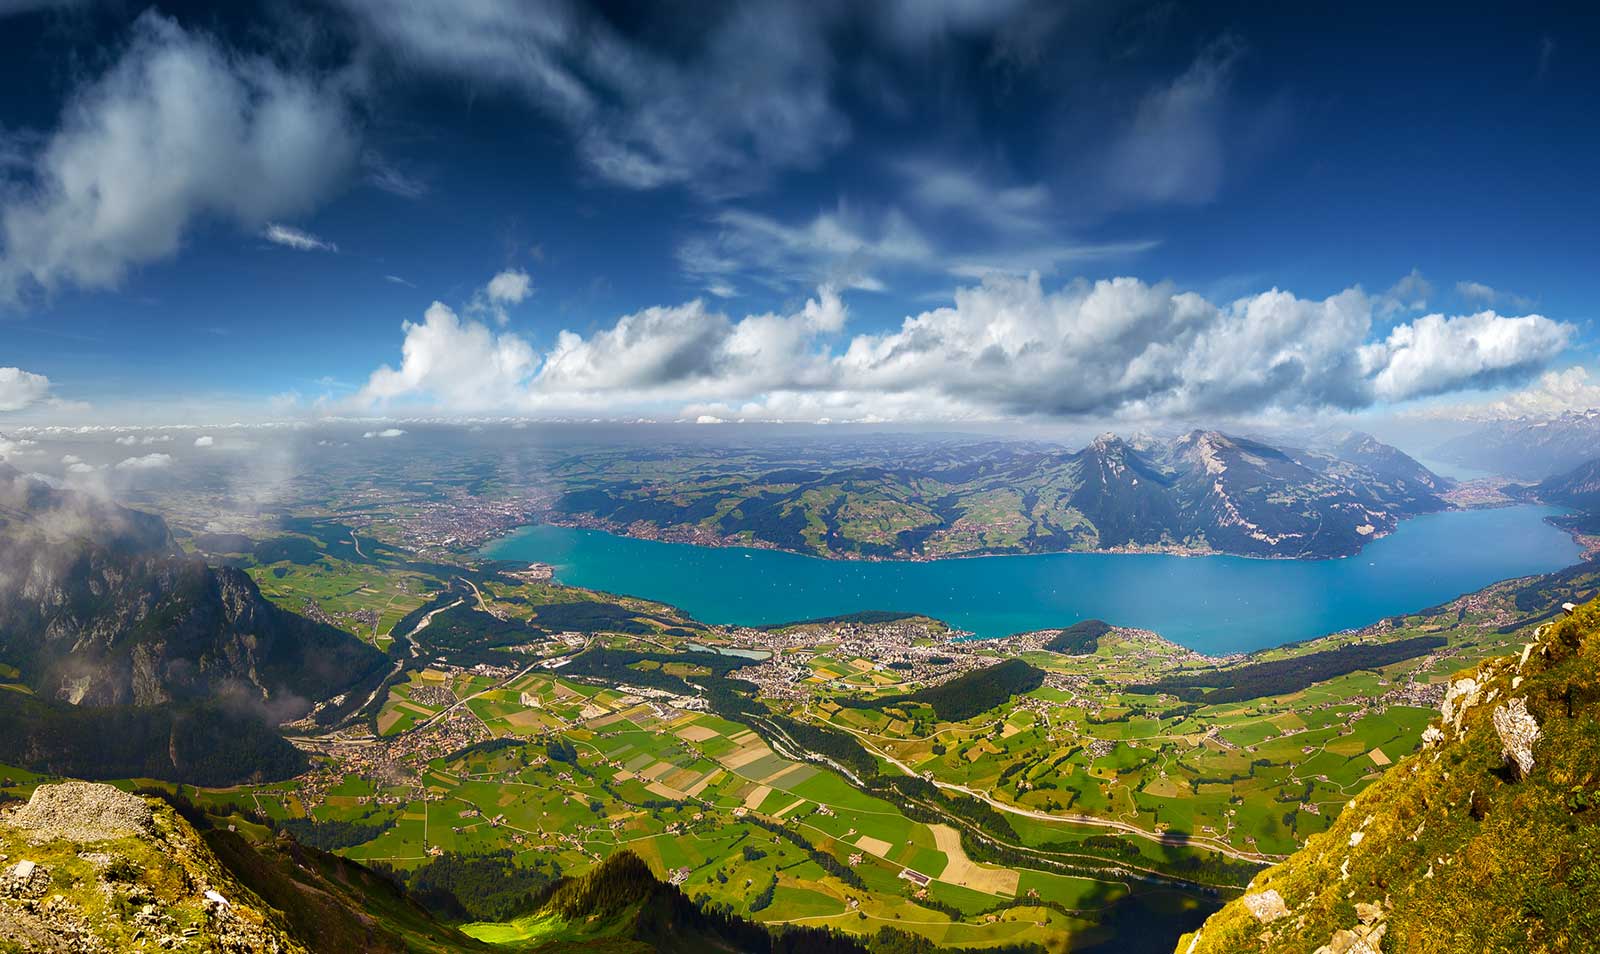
x: 82, y: 812
x: 1486, y: 839
x: 1265, y: 906
x: 1518, y: 731
x: 149, y: 884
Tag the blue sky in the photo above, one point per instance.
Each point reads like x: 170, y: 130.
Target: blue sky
x: 630, y: 159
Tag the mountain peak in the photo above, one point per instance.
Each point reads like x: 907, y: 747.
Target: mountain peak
x: 1108, y: 443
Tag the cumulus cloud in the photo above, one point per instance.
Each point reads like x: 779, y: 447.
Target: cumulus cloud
x: 388, y: 432
x: 147, y: 462
x: 1008, y: 347
x: 21, y: 389
x: 205, y: 440
x: 17, y: 447
x: 1435, y: 354
x: 297, y: 239
x: 1553, y: 393
x: 177, y: 131
x: 509, y: 287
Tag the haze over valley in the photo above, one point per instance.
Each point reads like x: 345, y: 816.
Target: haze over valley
x: 920, y: 477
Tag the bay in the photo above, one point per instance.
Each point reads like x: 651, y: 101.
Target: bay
x: 1213, y: 604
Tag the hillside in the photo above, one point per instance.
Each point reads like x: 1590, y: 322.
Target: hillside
x: 127, y: 873
x: 97, y: 608
x: 619, y: 906
x: 1579, y: 487
x: 1202, y: 492
x: 1485, y: 840
x: 125, y: 657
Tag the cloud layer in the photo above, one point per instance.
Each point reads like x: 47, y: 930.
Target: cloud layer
x: 177, y: 132
x: 1008, y: 347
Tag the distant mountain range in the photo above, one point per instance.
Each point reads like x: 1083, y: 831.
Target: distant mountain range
x: 123, y: 653
x: 1203, y: 492
x: 1527, y: 448
x: 1578, y: 488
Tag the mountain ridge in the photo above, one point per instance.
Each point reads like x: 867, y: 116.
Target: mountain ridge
x: 1203, y: 492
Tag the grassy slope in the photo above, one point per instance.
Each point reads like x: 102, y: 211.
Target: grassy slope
x: 332, y: 904
x: 1457, y: 852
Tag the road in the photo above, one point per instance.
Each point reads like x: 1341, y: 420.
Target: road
x: 461, y: 702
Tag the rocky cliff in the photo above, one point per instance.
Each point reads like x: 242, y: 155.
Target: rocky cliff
x: 1487, y: 839
x: 97, y: 608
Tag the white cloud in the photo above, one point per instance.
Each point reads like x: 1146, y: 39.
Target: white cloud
x: 397, y: 280
x: 853, y: 248
x: 1553, y: 393
x: 1410, y: 293
x: 845, y: 248
x: 505, y: 289
x: 1006, y: 348
x: 950, y: 188
x: 147, y: 462
x: 754, y: 98
x: 510, y: 287
x: 79, y: 467
x: 1173, y: 149
x: 389, y: 432
x: 1487, y: 295
x: 70, y: 459
x: 205, y: 440
x: 20, y: 389
x: 176, y: 131
x: 20, y: 447
x: 1435, y: 354
x: 291, y: 237
x: 384, y: 175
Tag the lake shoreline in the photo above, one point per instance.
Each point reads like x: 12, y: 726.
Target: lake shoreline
x: 1217, y: 607
x: 713, y: 541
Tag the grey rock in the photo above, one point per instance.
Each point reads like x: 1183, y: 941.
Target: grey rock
x: 1518, y: 731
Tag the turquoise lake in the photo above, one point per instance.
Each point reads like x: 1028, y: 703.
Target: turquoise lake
x: 1214, y: 604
